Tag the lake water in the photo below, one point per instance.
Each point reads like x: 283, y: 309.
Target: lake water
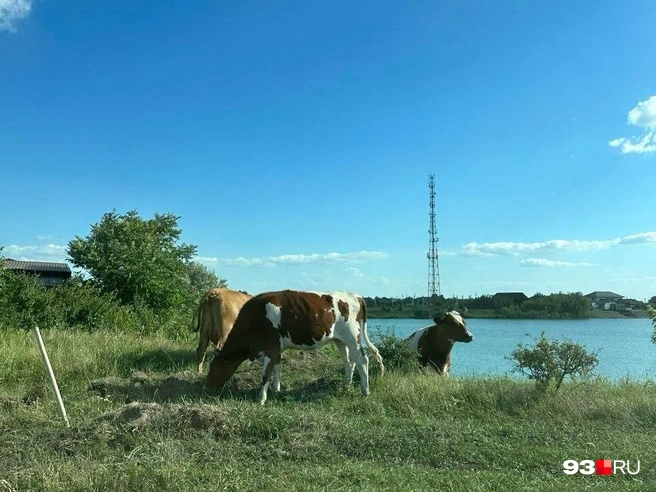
x: 624, y: 345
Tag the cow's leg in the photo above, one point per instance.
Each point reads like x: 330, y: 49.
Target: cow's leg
x: 276, y: 371
x: 276, y: 375
x: 349, y: 366
x: 200, y: 352
x: 268, y: 367
x: 362, y: 363
x: 445, y: 370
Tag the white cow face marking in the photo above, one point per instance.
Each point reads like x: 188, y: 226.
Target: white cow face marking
x: 456, y: 328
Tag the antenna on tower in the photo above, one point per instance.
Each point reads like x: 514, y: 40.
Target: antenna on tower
x: 433, y: 265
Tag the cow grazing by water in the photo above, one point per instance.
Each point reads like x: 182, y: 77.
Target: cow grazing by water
x: 434, y: 343
x: 214, y: 317
x: 273, y: 322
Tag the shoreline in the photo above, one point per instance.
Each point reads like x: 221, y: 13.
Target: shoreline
x: 489, y: 314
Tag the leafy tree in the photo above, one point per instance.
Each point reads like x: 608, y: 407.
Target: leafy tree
x: 137, y: 260
x: 551, y: 360
x: 202, y: 279
x: 652, y: 314
x: 652, y: 301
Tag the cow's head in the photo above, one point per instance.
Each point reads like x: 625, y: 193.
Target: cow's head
x: 455, y: 328
x: 222, y: 368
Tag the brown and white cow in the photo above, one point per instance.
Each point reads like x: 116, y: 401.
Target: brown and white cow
x: 434, y: 343
x: 214, y: 317
x: 273, y: 322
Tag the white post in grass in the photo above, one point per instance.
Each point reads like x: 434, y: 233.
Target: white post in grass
x: 46, y: 361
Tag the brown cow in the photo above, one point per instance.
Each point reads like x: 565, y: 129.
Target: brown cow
x: 434, y: 343
x: 214, y: 317
x: 272, y: 322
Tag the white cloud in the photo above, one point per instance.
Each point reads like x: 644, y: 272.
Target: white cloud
x: 355, y: 272
x: 644, y: 116
x: 640, y: 238
x: 272, y: 261
x: 636, y: 280
x: 541, y: 262
x: 552, y: 246
x: 632, y: 145
x: 48, y: 252
x: 207, y: 259
x: 246, y: 262
x: 12, y: 11
x: 238, y: 262
x: 329, y: 257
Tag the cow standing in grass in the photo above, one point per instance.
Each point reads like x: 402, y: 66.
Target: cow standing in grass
x: 273, y: 322
x: 214, y: 317
x: 434, y: 343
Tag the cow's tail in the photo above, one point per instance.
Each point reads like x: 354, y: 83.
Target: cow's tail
x: 195, y: 320
x: 370, y: 346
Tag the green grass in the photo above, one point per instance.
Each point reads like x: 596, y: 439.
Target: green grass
x: 147, y: 425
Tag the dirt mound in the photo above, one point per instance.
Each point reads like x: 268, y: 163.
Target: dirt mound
x: 32, y: 396
x: 173, y: 417
x: 157, y: 388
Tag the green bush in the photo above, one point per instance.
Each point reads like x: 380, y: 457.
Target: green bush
x: 396, y: 352
x: 551, y: 360
x: 24, y: 303
x: 78, y: 304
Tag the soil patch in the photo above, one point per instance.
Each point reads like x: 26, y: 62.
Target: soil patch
x: 171, y: 417
x: 155, y: 388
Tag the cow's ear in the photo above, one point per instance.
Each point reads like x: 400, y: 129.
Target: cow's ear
x: 438, y: 319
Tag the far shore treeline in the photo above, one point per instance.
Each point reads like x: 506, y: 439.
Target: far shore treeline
x: 140, y: 277
x: 572, y: 305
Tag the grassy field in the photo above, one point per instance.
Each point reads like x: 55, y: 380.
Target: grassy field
x: 140, y: 421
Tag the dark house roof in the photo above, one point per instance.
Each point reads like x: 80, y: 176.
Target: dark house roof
x: 515, y: 296
x: 39, y: 267
x: 603, y: 294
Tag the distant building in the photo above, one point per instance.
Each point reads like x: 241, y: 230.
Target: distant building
x: 516, y: 297
x: 48, y: 273
x: 604, y: 299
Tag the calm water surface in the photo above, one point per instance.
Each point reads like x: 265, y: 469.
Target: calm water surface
x: 624, y: 345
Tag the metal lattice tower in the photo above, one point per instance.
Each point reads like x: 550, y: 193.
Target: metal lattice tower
x: 433, y: 264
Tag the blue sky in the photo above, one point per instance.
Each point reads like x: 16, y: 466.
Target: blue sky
x: 295, y: 139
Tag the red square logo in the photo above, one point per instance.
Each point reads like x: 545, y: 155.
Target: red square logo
x: 604, y: 467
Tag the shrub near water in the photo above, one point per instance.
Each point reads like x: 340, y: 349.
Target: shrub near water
x: 552, y: 360
x: 396, y: 352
